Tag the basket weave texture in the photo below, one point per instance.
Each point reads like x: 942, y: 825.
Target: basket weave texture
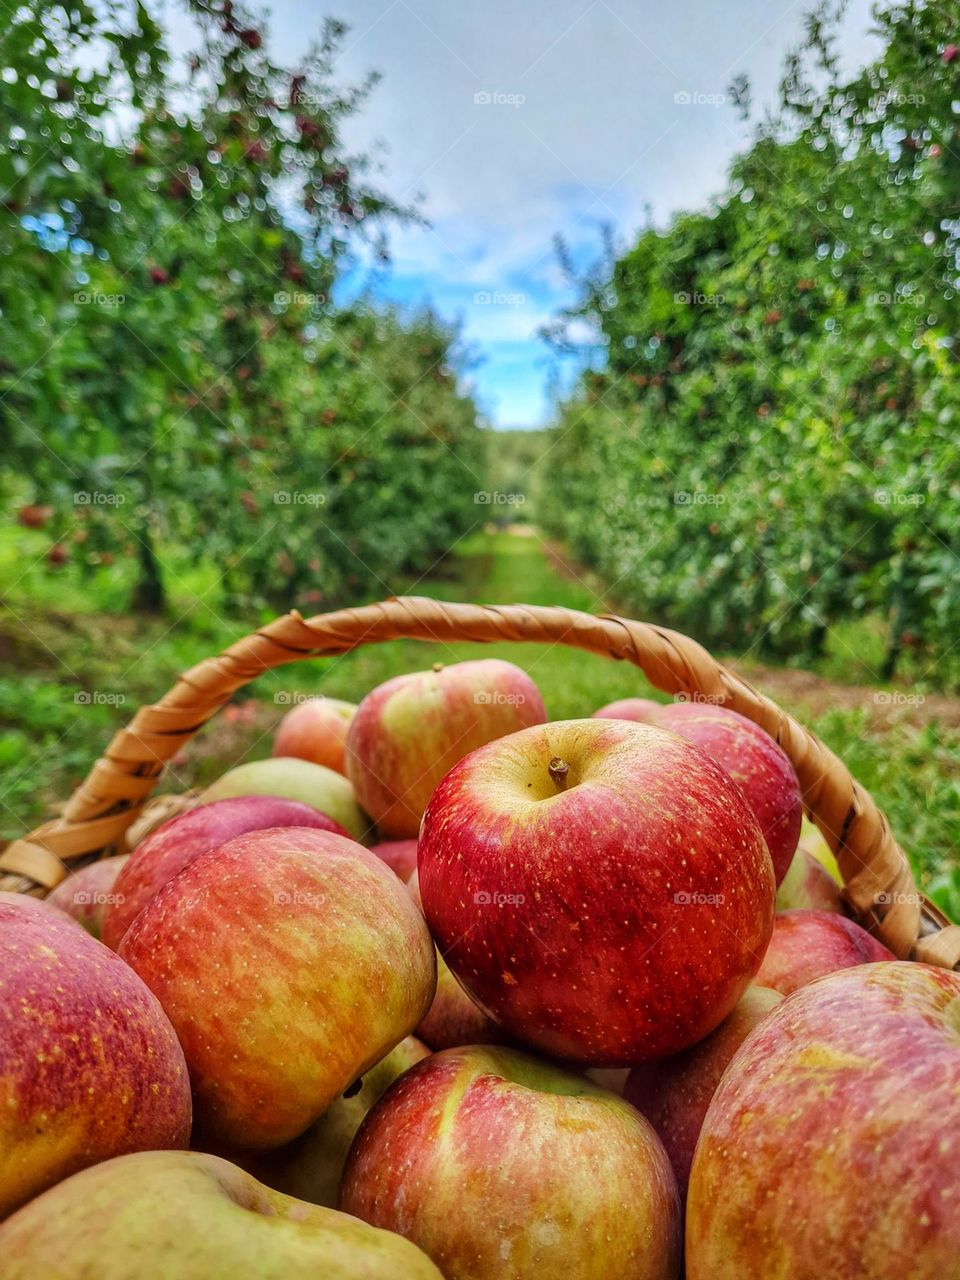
x: 879, y: 884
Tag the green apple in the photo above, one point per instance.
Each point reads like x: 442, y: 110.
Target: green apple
x: 294, y: 779
x: 179, y: 1215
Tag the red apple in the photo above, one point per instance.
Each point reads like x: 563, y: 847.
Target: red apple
x: 674, y: 1093
x: 808, y: 886
x: 641, y: 709
x: 807, y: 944
x: 758, y: 765
x: 289, y: 961
x: 399, y: 855
x: 316, y: 729
x: 89, y: 1064
x: 174, y: 845
x: 88, y: 893
x: 453, y: 1019
x: 179, y: 1215
x: 831, y: 1147
x: 600, y: 888
x: 499, y: 1165
x: 408, y: 732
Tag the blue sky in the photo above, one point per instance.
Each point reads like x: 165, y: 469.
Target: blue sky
x: 516, y: 121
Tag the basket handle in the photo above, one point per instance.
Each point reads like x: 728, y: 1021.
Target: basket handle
x: 878, y: 881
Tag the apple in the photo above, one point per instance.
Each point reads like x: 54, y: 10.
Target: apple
x: 316, y: 729
x: 600, y: 888
x: 174, y: 845
x: 89, y: 1063
x: 807, y: 944
x: 399, y: 855
x: 43, y: 906
x: 808, y: 886
x: 311, y: 1167
x: 409, y: 731
x: 289, y: 961
x: 758, y: 765
x: 88, y: 893
x: 499, y: 1165
x: 453, y: 1019
x: 183, y: 1215
x: 641, y: 709
x: 674, y: 1093
x: 292, y: 779
x: 831, y: 1147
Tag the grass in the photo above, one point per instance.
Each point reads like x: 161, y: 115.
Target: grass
x: 72, y: 671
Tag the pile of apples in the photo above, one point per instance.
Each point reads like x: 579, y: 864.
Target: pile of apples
x: 442, y: 989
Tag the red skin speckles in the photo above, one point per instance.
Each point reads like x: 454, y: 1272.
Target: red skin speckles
x: 831, y: 1149
x: 174, y: 845
x: 289, y: 961
x: 608, y: 922
x: 808, y: 944
x: 498, y: 1165
x: 758, y: 765
x: 90, y: 1066
x: 674, y: 1093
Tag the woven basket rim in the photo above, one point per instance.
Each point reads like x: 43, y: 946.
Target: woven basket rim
x: 878, y: 882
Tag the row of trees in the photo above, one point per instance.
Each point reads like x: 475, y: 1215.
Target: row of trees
x: 173, y: 373
x: 771, y: 442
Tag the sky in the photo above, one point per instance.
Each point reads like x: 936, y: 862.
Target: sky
x: 514, y: 122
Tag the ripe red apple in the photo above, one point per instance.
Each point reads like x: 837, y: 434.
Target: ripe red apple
x: 758, y: 765
x: 674, y: 1093
x: 600, y: 888
x: 641, y: 709
x: 89, y: 1064
x: 831, y: 1147
x: 88, y: 893
x: 453, y: 1019
x: 399, y: 855
x: 174, y: 845
x: 289, y: 961
x: 408, y: 732
x: 316, y: 729
x: 288, y: 778
x: 497, y: 1165
x: 193, y: 1217
x: 807, y: 944
x: 311, y: 1166
x: 808, y: 886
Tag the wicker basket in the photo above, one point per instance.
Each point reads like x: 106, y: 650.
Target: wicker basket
x: 879, y: 885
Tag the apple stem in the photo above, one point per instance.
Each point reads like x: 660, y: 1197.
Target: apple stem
x: 558, y: 770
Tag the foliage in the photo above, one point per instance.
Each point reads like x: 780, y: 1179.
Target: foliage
x: 771, y: 445
x: 171, y: 366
